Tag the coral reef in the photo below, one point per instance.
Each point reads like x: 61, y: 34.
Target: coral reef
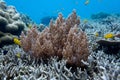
x: 17, y: 64
x: 100, y: 66
x: 10, y: 22
x: 62, y: 38
x: 101, y: 30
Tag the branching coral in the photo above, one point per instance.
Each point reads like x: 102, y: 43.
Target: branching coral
x: 62, y: 38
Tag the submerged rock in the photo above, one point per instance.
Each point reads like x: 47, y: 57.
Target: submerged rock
x: 110, y: 47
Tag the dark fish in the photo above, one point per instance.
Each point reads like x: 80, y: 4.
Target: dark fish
x: 5, y: 52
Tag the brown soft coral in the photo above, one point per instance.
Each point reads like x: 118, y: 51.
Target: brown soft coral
x: 76, y: 47
x: 62, y: 39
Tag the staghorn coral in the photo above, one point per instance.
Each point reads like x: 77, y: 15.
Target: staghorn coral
x: 100, y: 66
x: 62, y: 38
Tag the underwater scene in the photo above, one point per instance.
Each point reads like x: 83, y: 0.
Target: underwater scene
x: 60, y: 40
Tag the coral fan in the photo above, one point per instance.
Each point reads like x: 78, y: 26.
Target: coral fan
x: 62, y: 38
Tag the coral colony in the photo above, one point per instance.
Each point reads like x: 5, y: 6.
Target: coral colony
x: 66, y: 49
x: 62, y: 39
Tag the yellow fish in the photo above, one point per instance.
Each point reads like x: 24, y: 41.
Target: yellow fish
x: 96, y: 34
x: 109, y: 35
x: 18, y: 55
x: 85, y: 21
x: 29, y: 26
x: 17, y: 41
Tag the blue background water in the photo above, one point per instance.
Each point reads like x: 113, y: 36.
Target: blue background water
x: 37, y: 9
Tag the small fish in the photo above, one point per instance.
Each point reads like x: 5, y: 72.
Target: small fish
x: 109, y: 35
x: 5, y: 52
x: 87, y: 2
x: 18, y: 55
x: 85, y: 21
x: 96, y: 34
x: 29, y: 26
x: 17, y: 41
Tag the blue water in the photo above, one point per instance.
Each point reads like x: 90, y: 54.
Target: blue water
x: 38, y: 9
